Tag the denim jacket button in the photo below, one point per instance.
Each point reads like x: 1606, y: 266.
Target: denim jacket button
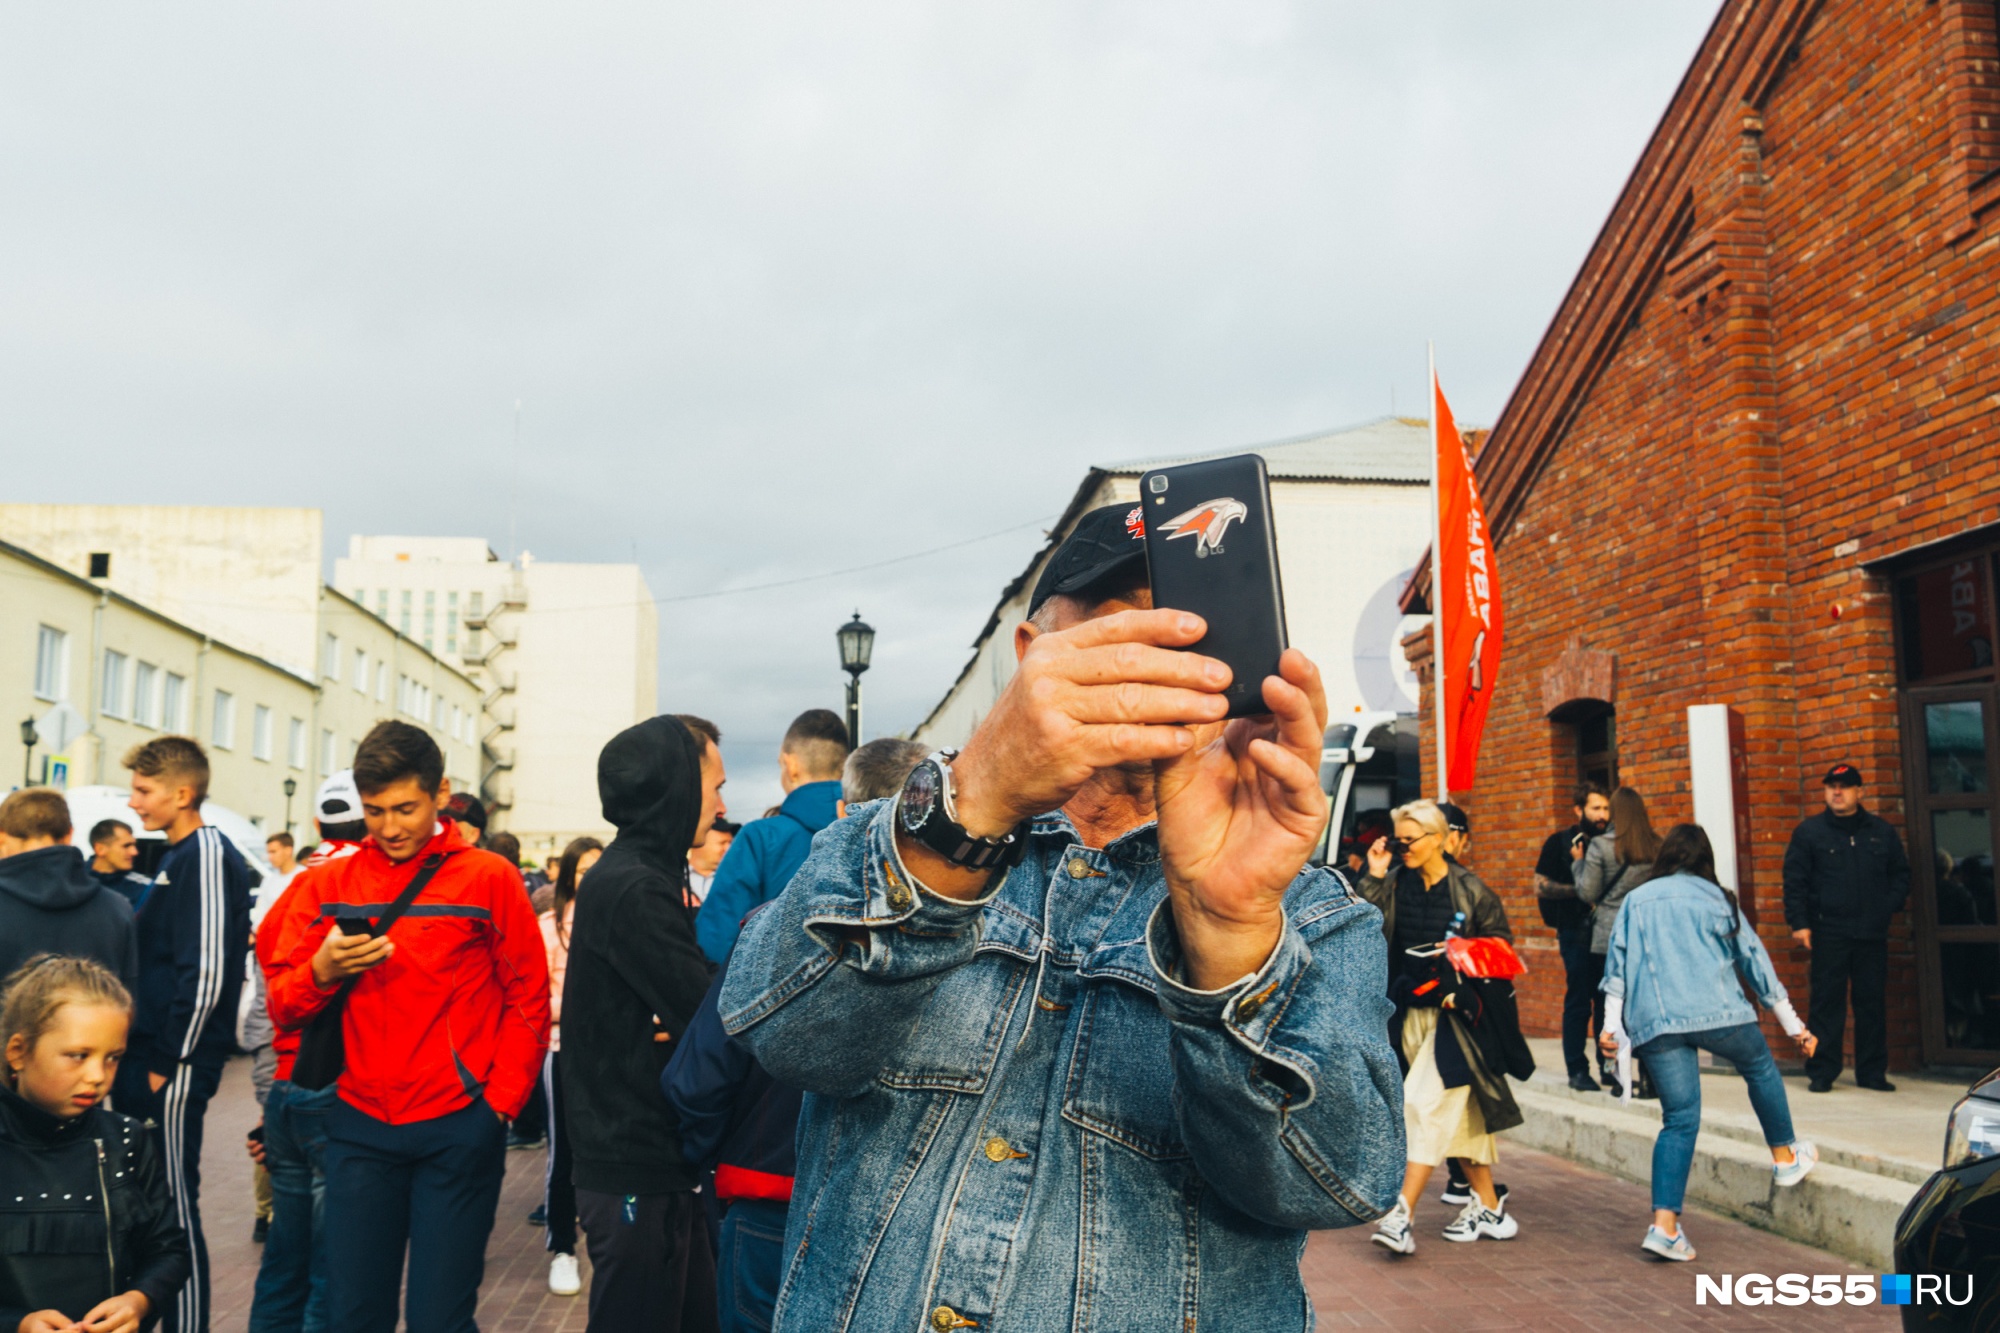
x: 1246, y: 1008
x: 944, y: 1319
x: 1078, y: 868
x: 899, y: 898
x: 998, y: 1149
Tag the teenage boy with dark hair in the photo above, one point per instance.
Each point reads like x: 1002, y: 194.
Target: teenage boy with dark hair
x: 443, y: 1030
x: 113, y: 852
x: 769, y: 851
x: 48, y: 902
x: 194, y: 931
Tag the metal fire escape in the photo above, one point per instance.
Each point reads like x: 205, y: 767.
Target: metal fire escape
x: 501, y: 624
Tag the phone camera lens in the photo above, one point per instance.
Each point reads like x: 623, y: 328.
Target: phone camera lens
x: 1156, y: 484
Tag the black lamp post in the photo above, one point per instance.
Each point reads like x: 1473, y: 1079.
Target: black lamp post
x: 857, y: 644
x: 30, y: 738
x: 291, y: 790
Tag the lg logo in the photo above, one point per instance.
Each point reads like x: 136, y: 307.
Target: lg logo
x: 1832, y: 1289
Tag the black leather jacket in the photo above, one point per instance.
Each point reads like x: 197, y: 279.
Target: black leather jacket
x: 84, y: 1214
x: 1845, y: 875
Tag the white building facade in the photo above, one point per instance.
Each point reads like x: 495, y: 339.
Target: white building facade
x: 1353, y: 515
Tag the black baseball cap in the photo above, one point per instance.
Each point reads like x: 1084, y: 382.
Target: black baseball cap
x: 1454, y: 817
x: 465, y: 808
x: 1843, y: 775
x: 1104, y: 541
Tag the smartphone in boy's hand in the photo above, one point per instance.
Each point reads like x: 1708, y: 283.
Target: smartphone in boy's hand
x: 1211, y: 549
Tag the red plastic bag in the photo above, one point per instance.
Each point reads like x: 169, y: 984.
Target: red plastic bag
x: 1484, y: 956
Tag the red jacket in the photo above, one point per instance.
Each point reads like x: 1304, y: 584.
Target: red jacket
x: 277, y: 934
x: 460, y: 1009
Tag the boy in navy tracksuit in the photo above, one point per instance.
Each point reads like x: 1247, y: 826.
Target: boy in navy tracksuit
x: 194, y: 931
x: 736, y: 1119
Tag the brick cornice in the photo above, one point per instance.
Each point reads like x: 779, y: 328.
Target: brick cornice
x: 1742, y: 58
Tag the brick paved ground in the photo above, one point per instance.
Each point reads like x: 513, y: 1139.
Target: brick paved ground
x: 1575, y: 1265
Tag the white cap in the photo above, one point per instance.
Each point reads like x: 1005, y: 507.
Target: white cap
x: 339, y: 800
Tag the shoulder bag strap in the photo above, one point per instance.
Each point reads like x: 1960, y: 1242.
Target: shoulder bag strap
x: 409, y: 893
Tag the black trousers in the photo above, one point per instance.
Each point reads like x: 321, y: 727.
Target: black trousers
x: 651, y: 1270
x: 429, y: 1187
x: 1838, y: 966
x: 558, y: 1189
x: 1583, y: 1002
x: 177, y: 1111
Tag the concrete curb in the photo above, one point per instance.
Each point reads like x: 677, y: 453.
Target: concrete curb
x: 1839, y: 1207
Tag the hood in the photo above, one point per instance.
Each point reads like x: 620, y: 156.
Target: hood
x: 54, y: 879
x: 814, y: 804
x: 649, y: 781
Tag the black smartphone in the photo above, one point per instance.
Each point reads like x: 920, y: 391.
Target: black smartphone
x: 1211, y: 549
x: 356, y: 924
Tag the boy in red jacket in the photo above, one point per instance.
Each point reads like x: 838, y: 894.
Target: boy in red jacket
x: 444, y: 1029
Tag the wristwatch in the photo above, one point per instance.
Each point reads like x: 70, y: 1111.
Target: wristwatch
x: 928, y: 812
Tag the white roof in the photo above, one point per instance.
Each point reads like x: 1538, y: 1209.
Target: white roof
x: 1395, y: 449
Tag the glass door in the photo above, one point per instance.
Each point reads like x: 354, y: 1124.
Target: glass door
x: 1952, y: 817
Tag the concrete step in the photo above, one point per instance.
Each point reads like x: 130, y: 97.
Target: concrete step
x: 1848, y: 1205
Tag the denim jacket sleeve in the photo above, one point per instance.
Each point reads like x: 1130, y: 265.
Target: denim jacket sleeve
x: 1289, y: 1096
x: 1754, y: 965
x: 827, y: 981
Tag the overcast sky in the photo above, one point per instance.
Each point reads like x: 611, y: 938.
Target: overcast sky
x: 782, y: 288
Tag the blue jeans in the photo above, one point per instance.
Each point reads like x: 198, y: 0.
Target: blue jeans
x: 291, y: 1281
x: 750, y: 1264
x: 1670, y: 1058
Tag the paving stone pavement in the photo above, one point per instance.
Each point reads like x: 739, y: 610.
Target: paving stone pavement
x: 1575, y: 1266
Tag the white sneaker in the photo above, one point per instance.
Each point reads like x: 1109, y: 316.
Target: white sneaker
x: 1478, y: 1222
x: 1676, y: 1248
x: 1393, y: 1231
x: 564, y: 1279
x: 1804, y: 1158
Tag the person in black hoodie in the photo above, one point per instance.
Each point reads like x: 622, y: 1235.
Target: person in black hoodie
x: 635, y: 978
x: 49, y: 900
x: 88, y: 1235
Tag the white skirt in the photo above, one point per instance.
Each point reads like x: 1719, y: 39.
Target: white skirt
x: 1439, y: 1122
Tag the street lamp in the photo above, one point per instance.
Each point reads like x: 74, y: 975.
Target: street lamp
x: 857, y: 644
x: 30, y: 738
x: 291, y: 790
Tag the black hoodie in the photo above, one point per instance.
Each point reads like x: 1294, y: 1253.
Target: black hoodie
x: 51, y: 903
x: 634, y: 962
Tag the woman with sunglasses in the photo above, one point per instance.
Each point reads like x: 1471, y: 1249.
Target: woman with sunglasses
x: 1459, y: 1037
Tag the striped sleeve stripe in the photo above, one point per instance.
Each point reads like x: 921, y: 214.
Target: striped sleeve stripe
x: 209, y: 880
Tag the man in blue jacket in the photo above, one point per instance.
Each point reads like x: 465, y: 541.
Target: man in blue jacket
x: 768, y: 852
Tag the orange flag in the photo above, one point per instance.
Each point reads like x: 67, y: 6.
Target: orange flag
x: 1468, y: 600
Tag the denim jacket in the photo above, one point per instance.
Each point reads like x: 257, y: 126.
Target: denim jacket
x: 1675, y: 961
x: 1018, y: 1121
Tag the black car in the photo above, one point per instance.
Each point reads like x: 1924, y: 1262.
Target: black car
x: 1952, y: 1227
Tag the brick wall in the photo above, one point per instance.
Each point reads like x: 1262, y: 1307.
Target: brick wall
x: 1799, y: 376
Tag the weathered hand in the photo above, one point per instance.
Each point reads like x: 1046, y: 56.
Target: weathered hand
x: 1109, y: 691
x: 1379, y: 858
x: 120, y: 1314
x: 341, y: 955
x: 45, y: 1321
x: 1809, y: 1042
x: 1803, y: 938
x: 1239, y: 814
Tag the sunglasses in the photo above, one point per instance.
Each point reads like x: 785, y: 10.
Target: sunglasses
x: 1399, y: 846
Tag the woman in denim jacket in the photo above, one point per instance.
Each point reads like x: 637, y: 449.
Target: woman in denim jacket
x: 1670, y: 985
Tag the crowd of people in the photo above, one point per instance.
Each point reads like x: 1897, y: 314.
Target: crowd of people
x: 1059, y: 1030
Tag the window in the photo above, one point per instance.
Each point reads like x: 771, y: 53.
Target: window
x: 260, y: 733
x: 360, y: 598
x: 51, y: 665
x: 1597, y: 748
x: 381, y: 682
x: 361, y: 671
x: 451, y: 622
x: 403, y: 623
x: 430, y: 617
x: 257, y: 822
x: 330, y: 664
x: 111, y: 691
x: 222, y: 721
x: 145, y: 684
x: 295, y: 743
x: 456, y: 717
x: 1947, y: 621
x: 327, y: 750
x: 382, y: 604
x: 100, y: 564
x: 173, y: 703
x: 437, y: 714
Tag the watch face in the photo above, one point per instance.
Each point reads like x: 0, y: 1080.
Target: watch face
x: 920, y: 796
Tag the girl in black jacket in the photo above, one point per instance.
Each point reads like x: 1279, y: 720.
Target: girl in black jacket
x: 89, y: 1239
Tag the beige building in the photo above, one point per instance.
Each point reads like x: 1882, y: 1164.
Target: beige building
x: 1353, y: 515
x: 250, y: 576
x: 566, y: 656
x: 99, y: 672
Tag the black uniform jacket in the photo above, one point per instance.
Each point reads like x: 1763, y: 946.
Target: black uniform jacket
x: 1845, y: 875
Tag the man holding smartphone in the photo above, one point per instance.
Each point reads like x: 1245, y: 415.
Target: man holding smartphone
x: 443, y: 1033
x: 1095, y: 1046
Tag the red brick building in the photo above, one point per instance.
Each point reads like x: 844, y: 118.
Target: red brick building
x: 1755, y: 461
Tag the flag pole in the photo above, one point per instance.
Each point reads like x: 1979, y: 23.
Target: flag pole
x: 1437, y: 577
